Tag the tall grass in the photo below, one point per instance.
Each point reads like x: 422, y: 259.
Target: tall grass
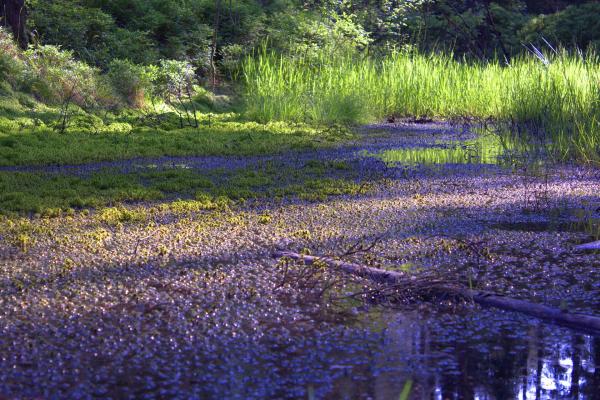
x: 553, y: 97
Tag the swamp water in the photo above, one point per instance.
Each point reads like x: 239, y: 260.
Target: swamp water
x: 448, y: 352
x: 486, y: 149
x: 484, y: 354
x: 468, y: 354
x: 214, y: 328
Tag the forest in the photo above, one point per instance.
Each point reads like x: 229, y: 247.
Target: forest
x: 299, y: 199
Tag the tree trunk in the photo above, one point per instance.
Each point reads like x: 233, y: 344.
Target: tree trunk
x: 213, y: 46
x: 13, y: 14
x: 573, y: 320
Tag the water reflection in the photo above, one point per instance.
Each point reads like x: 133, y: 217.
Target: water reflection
x: 485, y: 149
x: 476, y: 356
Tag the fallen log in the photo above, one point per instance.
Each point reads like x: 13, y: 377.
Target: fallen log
x: 585, y: 322
x: 589, y: 246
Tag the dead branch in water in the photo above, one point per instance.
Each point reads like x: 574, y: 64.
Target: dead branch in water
x: 589, y: 246
x: 573, y: 320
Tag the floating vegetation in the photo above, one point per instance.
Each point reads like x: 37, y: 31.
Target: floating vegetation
x: 54, y: 194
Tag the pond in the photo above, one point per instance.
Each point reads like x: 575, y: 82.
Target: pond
x: 452, y: 351
x: 481, y: 355
x: 482, y: 148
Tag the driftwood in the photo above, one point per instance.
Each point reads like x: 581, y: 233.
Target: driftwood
x: 574, y: 320
x: 589, y: 246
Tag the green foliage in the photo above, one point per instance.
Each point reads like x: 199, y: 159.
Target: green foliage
x: 479, y: 29
x: 577, y: 26
x: 54, y: 76
x: 175, y: 81
x: 27, y: 139
x: 92, y: 34
x: 174, y: 29
x: 133, y: 82
x: 10, y: 65
x: 83, y: 30
x: 146, y: 31
x: 382, y: 22
x: 169, y: 81
x: 307, y: 35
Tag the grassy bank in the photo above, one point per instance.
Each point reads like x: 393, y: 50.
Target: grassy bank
x: 55, y: 109
x: 556, y: 96
x: 28, y: 135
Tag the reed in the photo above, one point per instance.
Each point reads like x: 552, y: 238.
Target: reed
x: 551, y: 97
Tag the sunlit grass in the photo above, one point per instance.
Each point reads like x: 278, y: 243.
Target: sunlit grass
x: 34, y: 147
x: 28, y: 135
x: 557, y: 97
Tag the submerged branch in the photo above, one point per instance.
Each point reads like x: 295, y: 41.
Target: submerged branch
x: 573, y: 320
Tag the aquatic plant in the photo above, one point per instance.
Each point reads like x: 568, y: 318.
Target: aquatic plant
x: 55, y: 194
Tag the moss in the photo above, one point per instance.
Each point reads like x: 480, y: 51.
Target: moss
x: 98, y: 235
x: 184, y: 190
x: 52, y: 194
x: 203, y: 203
x: 118, y: 215
x: 302, y: 234
x: 22, y: 232
x: 265, y: 219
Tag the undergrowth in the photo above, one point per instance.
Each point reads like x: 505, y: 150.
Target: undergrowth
x: 55, y: 109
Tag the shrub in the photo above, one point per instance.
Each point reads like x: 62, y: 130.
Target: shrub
x: 132, y: 81
x: 176, y: 79
x: 54, y: 76
x: 175, y: 85
x: 10, y: 64
x: 83, y: 30
x: 305, y: 36
x: 232, y: 57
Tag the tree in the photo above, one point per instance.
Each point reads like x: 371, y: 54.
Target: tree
x: 480, y: 28
x: 13, y: 14
x: 214, y: 41
x: 575, y: 26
